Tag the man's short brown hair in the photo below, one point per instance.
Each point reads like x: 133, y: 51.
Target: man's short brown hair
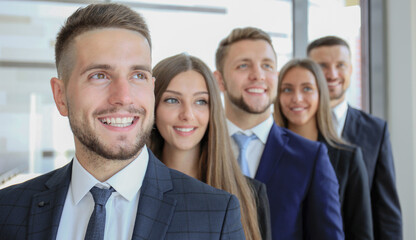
x: 327, y: 41
x: 94, y: 16
x: 238, y: 34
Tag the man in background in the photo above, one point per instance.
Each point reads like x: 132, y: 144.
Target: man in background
x: 364, y: 130
x: 301, y: 183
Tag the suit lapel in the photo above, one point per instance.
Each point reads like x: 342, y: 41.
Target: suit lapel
x: 47, y: 206
x: 352, y: 127
x: 333, y: 153
x: 155, y: 210
x: 272, y: 154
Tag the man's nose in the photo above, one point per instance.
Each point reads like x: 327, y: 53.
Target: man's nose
x: 332, y: 73
x: 120, y: 92
x: 257, y: 73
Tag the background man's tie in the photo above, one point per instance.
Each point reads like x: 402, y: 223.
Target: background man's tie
x: 242, y: 142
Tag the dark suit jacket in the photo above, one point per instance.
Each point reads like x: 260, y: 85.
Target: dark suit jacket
x: 263, y: 208
x: 372, y: 136
x: 354, y: 192
x: 301, y: 186
x: 171, y: 206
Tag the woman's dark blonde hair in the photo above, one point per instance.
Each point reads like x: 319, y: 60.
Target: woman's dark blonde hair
x: 323, y: 114
x: 218, y: 167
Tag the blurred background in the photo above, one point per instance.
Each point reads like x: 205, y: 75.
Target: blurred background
x: 35, y: 139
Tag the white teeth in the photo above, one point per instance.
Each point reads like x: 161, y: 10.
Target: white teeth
x: 118, y: 122
x: 297, y: 109
x: 184, y: 129
x: 255, y: 90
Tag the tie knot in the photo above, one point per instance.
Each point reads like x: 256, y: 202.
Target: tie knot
x: 242, y: 140
x: 101, y: 195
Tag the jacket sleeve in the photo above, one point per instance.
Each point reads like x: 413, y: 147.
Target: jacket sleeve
x: 357, y: 203
x: 322, y: 211
x: 232, y: 228
x: 263, y: 212
x: 387, y: 218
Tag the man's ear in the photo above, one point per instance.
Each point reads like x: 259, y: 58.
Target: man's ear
x: 220, y: 80
x: 58, y: 90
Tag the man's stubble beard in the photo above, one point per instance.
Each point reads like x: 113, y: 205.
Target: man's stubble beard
x: 240, y: 103
x: 91, y: 142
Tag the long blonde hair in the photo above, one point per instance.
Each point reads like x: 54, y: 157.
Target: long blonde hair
x: 217, y: 165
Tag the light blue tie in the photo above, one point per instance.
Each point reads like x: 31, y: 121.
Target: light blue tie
x: 96, y: 225
x: 242, y: 142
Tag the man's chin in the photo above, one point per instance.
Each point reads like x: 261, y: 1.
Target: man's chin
x: 120, y: 153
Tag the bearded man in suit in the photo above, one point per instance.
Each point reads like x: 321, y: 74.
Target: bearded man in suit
x: 364, y: 130
x: 114, y: 188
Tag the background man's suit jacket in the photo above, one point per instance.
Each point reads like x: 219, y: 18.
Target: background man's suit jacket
x: 372, y: 136
x: 354, y: 192
x: 171, y: 206
x: 263, y: 208
x: 302, y: 188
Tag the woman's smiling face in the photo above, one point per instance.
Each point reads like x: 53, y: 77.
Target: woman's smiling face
x: 182, y: 114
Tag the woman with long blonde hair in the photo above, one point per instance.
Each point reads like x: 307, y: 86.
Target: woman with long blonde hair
x: 303, y: 106
x: 190, y: 135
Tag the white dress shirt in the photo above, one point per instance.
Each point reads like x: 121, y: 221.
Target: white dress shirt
x: 256, y: 146
x: 339, y: 114
x: 121, y: 207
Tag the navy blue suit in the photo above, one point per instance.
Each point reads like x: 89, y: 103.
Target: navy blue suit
x: 171, y: 206
x: 302, y: 188
x: 372, y: 136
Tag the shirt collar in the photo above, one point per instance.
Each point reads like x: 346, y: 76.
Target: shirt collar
x: 127, y: 182
x: 340, y: 110
x: 262, y: 130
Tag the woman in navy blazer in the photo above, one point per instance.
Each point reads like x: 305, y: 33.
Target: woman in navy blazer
x: 303, y: 106
x: 190, y: 136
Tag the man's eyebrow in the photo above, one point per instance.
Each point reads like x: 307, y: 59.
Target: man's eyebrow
x: 108, y: 67
x: 268, y: 59
x: 96, y: 66
x: 142, y: 67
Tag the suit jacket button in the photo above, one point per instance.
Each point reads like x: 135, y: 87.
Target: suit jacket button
x: 41, y: 204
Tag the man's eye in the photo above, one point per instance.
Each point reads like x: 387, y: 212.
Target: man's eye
x: 242, y: 66
x: 341, y: 65
x: 99, y: 76
x: 268, y: 66
x: 141, y: 76
x: 323, y: 65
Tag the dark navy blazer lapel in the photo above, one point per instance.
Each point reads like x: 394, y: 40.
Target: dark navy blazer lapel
x: 47, y: 206
x: 352, y: 125
x: 333, y: 153
x: 155, y: 208
x: 273, y: 151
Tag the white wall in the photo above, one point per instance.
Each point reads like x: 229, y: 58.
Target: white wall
x: 401, y: 61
